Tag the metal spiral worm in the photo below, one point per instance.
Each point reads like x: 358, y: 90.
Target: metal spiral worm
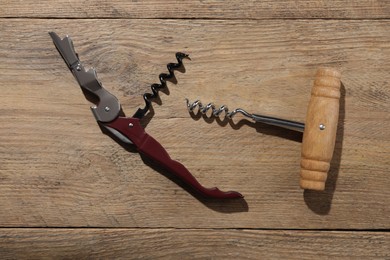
x: 163, y: 77
x: 269, y: 120
x: 215, y: 111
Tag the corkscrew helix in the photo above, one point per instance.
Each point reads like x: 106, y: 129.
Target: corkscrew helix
x: 163, y: 77
x: 216, y: 112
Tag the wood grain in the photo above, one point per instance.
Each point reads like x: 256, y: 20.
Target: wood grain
x: 199, y: 9
x: 195, y: 244
x: 60, y: 176
x: 58, y: 169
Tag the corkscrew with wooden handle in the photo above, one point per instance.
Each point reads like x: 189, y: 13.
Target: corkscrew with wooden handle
x: 319, y: 130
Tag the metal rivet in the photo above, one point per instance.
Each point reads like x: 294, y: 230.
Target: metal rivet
x: 131, y: 125
x: 322, y: 127
x: 78, y: 68
x: 106, y: 109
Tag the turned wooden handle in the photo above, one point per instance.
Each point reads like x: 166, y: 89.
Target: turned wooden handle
x: 319, y: 135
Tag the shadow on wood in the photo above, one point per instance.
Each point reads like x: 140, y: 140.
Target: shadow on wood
x: 220, y: 205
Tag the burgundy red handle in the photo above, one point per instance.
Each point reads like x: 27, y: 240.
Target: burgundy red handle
x: 147, y: 145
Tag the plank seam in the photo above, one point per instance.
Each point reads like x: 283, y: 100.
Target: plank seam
x: 384, y: 230
x: 197, y: 18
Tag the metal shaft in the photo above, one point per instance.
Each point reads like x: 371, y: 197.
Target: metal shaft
x: 288, y: 124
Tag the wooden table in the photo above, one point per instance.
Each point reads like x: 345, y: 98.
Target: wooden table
x: 69, y: 191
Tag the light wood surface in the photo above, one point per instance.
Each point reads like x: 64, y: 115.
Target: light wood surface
x: 57, y: 170
x: 198, y: 9
x: 191, y: 243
